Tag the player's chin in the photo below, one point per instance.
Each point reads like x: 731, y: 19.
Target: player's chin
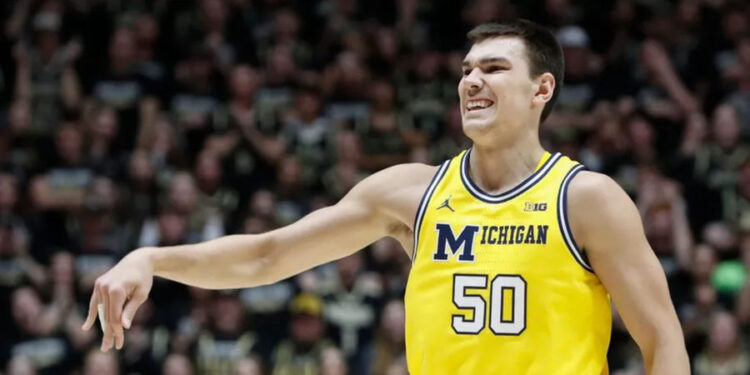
x: 477, y: 124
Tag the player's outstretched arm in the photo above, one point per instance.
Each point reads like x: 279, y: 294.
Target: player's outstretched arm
x: 378, y: 206
x: 607, y: 225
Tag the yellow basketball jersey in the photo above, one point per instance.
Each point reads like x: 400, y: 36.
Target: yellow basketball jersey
x: 498, y: 285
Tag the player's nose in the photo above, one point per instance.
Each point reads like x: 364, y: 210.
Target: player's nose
x: 473, y: 82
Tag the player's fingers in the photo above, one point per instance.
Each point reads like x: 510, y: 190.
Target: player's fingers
x: 91, y: 318
x: 119, y: 337
x: 116, y: 301
x: 107, y: 339
x: 131, y: 307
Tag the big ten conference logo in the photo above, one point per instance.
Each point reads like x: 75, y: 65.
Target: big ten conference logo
x: 534, y: 207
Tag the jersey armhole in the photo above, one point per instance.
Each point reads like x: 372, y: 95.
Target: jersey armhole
x: 562, y: 219
x: 424, y: 202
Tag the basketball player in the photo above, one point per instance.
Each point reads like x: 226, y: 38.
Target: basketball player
x: 515, y: 250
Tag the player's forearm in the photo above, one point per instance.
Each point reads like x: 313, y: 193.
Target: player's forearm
x: 667, y: 357
x: 225, y: 263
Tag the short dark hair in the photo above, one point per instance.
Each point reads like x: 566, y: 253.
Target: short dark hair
x: 542, y: 50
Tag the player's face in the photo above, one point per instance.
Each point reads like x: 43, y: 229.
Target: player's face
x: 496, y: 90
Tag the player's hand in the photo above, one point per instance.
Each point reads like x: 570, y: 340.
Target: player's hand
x: 127, y: 282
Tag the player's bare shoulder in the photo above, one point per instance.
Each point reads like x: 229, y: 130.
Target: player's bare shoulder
x: 592, y: 190
x: 596, y: 203
x: 396, y: 192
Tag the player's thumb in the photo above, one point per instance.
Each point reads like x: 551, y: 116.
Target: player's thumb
x: 131, y: 307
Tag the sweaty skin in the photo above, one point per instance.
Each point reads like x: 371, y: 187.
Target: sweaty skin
x: 506, y: 149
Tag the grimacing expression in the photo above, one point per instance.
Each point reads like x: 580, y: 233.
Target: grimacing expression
x: 497, y: 86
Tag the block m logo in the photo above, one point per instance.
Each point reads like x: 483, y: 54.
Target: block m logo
x: 464, y: 241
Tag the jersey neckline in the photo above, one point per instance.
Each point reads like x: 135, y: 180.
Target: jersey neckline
x: 515, y: 191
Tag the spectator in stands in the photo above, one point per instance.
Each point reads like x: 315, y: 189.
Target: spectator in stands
x: 177, y: 364
x: 723, y: 354
x: 139, y: 123
x: 300, y: 353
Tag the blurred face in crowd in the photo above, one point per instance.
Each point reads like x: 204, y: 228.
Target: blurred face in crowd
x: 735, y: 24
x: 351, y: 68
x: 243, y: 81
x: 146, y: 30
x: 48, y: 42
x: 497, y: 92
x: 208, y: 172
x: 286, y: 24
x: 349, y: 268
x: 280, y: 63
x: 20, y: 366
x: 19, y: 116
x: 182, y: 193
x: 247, y: 366
x: 348, y: 147
x: 289, y: 172
x: 726, y: 127
x: 723, y: 334
x: 122, y: 49
x: 307, y: 104
x: 397, y: 368
x: 427, y: 65
x: 386, y: 43
x: 214, y: 13
x: 172, y: 228
x: 382, y: 95
x: 69, y: 142
x: 385, y: 249
x: 255, y: 225
x: 659, y: 222
x: 101, y: 363
x: 307, y: 329
x: 228, y: 314
x: 688, y: 12
x: 719, y: 236
x: 745, y: 249
x: 26, y: 308
x: 104, y: 124
x: 262, y: 203
x: 141, y: 171
x: 62, y: 268
x: 576, y: 61
x: 744, y: 180
x: 703, y: 262
x: 394, y: 320
x: 640, y: 131
x: 103, y: 189
x: 7, y: 241
x: 8, y: 191
x: 332, y: 362
x: 481, y: 11
x: 177, y: 364
x: 705, y: 296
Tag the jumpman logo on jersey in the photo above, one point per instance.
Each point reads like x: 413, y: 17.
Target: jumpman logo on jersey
x: 447, y: 204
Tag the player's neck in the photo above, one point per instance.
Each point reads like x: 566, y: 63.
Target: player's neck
x: 497, y: 169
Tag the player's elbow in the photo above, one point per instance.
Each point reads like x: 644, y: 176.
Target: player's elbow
x: 665, y: 344
x: 253, y: 262
x: 264, y: 274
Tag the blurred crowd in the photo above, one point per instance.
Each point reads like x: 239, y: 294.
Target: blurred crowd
x: 131, y: 123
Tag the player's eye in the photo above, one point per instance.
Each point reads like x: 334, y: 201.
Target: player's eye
x: 495, y: 68
x: 466, y: 72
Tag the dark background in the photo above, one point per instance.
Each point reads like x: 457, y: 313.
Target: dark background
x: 137, y: 123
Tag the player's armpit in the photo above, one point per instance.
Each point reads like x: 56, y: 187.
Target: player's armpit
x: 383, y: 204
x: 606, y: 224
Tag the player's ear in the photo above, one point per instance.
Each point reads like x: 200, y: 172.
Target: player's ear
x: 545, y: 88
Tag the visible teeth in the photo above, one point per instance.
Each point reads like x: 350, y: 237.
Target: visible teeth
x: 478, y: 104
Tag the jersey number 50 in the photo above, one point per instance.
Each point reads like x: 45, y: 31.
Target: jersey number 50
x: 499, y: 324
